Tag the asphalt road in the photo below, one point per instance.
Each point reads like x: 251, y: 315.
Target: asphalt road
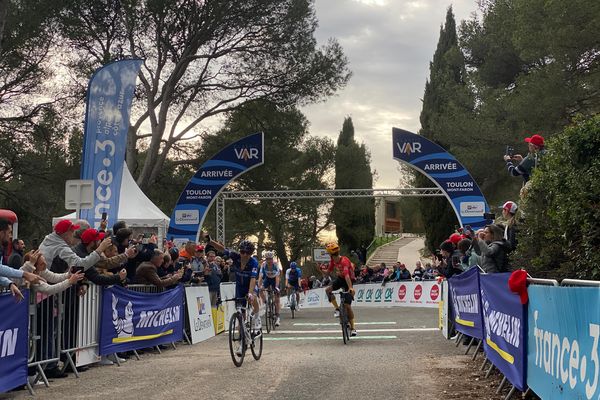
x: 394, y: 357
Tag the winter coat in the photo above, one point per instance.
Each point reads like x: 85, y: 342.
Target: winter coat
x: 61, y: 256
x: 92, y: 274
x: 494, y: 256
x: 147, y: 274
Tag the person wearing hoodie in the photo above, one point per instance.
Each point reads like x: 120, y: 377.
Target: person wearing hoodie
x: 493, y: 249
x: 56, y: 248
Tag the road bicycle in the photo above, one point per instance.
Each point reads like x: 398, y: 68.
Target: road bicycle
x: 270, y: 310
x: 292, y: 300
x: 344, y: 321
x: 242, y: 334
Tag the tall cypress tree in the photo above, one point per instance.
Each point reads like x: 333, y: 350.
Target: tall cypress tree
x: 446, y: 96
x: 354, y: 218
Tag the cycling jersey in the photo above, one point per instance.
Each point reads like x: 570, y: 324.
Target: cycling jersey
x: 293, y: 275
x: 242, y: 276
x: 343, y: 267
x: 269, y: 272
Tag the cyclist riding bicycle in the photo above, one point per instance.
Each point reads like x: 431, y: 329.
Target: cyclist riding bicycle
x: 292, y: 279
x: 344, y: 271
x: 246, y: 272
x: 269, y: 278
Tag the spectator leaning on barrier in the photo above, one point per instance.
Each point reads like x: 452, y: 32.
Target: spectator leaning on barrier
x: 5, y: 237
x: 36, y: 263
x: 123, y: 239
x: 56, y: 248
x: 530, y: 162
x: 418, y: 272
x: 16, y: 257
x: 430, y: 272
x: 468, y: 258
x: 450, y: 267
x: 404, y: 274
x: 147, y: 272
x: 212, y: 276
x: 492, y: 248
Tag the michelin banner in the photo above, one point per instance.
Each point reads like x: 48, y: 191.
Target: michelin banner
x: 563, y: 354
x: 133, y: 320
x: 446, y: 172
x: 109, y: 97
x: 505, y: 320
x: 197, y: 300
x: 14, y: 323
x: 211, y: 178
x: 466, y: 305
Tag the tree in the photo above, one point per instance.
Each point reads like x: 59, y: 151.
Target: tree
x: 446, y: 96
x: 354, y: 218
x: 203, y: 58
x: 293, y: 160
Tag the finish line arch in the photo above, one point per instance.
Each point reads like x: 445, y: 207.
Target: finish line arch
x: 449, y: 175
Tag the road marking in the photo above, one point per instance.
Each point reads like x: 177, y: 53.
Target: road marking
x: 362, y: 330
x: 328, y: 338
x: 337, y: 323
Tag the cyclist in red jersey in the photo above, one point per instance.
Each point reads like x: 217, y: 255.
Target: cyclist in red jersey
x: 344, y: 277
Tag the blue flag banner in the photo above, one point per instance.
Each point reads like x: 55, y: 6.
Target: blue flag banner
x: 109, y: 97
x: 505, y: 322
x: 133, y: 320
x: 211, y: 178
x: 446, y: 172
x: 14, y: 336
x: 464, y: 293
x: 563, y: 354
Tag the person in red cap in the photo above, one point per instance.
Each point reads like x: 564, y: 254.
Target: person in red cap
x: 530, y: 162
x: 56, y: 249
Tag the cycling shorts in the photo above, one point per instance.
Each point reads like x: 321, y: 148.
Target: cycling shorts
x: 340, y: 283
x: 269, y: 283
x: 294, y: 284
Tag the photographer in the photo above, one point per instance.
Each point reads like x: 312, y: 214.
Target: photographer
x: 530, y: 162
x: 147, y: 272
x: 492, y: 248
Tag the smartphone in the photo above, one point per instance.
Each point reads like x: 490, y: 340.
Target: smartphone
x: 509, y: 151
x: 489, y: 216
x: 77, y: 269
x: 455, y: 260
x: 104, y: 216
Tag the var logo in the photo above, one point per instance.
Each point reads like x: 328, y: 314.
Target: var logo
x: 246, y: 153
x: 409, y: 148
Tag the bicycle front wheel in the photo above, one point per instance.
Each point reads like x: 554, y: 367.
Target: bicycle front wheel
x: 237, y: 340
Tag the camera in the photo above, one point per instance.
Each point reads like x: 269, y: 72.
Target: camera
x: 509, y: 151
x: 489, y: 216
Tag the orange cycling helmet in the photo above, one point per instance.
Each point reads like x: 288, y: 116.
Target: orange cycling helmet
x: 332, y: 248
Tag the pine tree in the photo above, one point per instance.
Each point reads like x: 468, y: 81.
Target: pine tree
x: 354, y: 218
x: 445, y: 94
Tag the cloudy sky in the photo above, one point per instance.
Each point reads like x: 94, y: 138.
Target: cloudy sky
x: 389, y: 44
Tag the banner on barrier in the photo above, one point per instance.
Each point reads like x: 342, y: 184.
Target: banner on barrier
x: 228, y: 292
x: 464, y: 293
x: 504, y: 320
x: 563, y: 354
x: 199, y: 313
x: 133, y: 320
x: 404, y: 294
x: 14, y: 322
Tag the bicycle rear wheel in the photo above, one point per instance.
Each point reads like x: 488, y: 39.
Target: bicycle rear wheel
x: 268, y: 320
x: 272, y: 312
x: 257, y: 344
x: 293, y: 303
x: 344, y: 323
x: 237, y: 340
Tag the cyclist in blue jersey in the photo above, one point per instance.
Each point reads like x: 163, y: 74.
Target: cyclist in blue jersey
x: 269, y: 278
x: 292, y: 279
x: 246, y: 273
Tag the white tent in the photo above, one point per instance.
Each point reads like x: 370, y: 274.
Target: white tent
x: 134, y: 208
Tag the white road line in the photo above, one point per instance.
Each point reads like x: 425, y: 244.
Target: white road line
x: 337, y: 323
x: 360, y: 330
x: 327, y: 338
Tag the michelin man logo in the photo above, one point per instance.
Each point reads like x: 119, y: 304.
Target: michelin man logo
x: 123, y: 326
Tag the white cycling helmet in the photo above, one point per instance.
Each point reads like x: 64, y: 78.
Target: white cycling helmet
x: 268, y: 254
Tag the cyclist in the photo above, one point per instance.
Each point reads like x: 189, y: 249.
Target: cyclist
x: 344, y: 271
x: 292, y: 279
x: 245, y: 268
x: 269, y: 278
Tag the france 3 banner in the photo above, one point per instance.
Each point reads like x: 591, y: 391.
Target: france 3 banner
x: 197, y: 300
x: 505, y: 322
x: 464, y: 294
x: 133, y: 320
x: 109, y: 97
x: 563, y: 354
x: 448, y: 174
x: 211, y: 178
x: 14, y: 323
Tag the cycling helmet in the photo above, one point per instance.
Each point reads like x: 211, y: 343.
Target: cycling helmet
x: 247, y: 246
x: 333, y: 248
x: 293, y: 264
x: 268, y: 254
